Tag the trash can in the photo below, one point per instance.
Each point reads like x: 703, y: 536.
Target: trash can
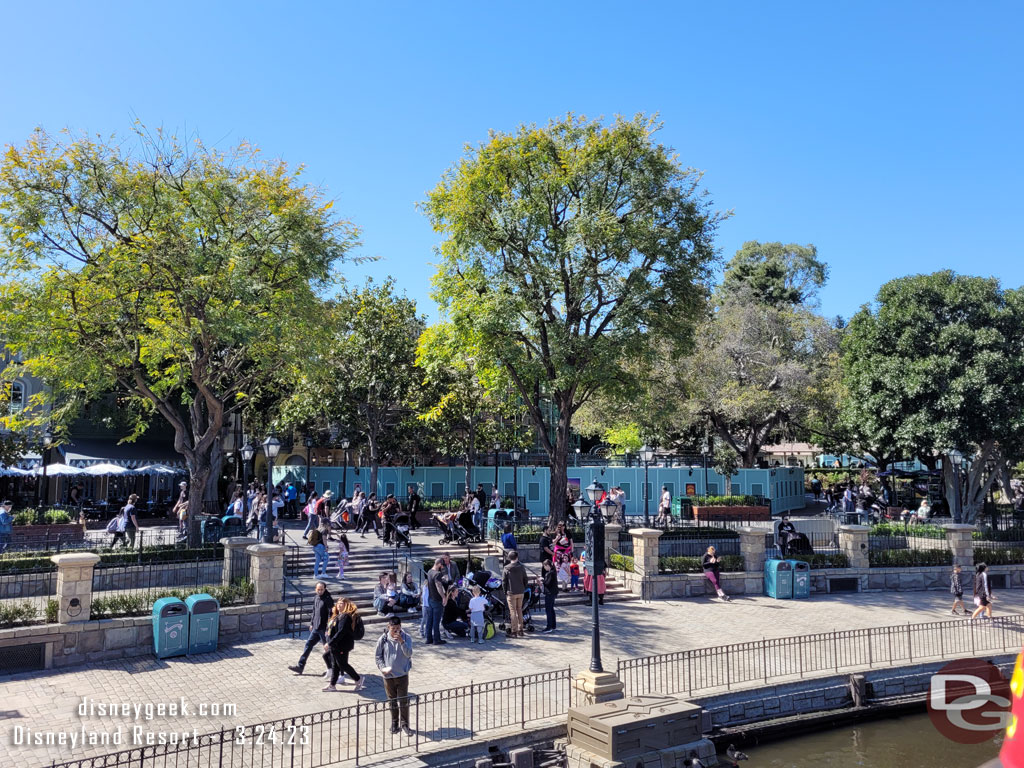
x: 801, y: 578
x: 203, y: 623
x: 232, y: 526
x: 170, y: 627
x: 778, y: 579
x: 212, y: 530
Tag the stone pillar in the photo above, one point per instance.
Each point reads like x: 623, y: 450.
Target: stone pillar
x: 645, y: 551
x: 266, y: 569
x: 232, y: 545
x: 611, y: 541
x: 853, y: 542
x: 74, y: 586
x: 597, y: 687
x: 752, y: 548
x: 961, y: 544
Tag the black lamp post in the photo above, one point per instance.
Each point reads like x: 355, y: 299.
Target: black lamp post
x: 43, y: 489
x: 344, y: 467
x: 595, y: 549
x: 647, y: 456
x: 704, y: 448
x: 497, y: 447
x: 247, y: 452
x: 514, y: 454
x: 577, y: 457
x: 271, y: 447
x: 956, y: 457
x: 308, y: 442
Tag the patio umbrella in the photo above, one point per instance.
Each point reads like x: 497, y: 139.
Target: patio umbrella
x: 106, y: 468
x: 59, y: 470
x: 155, y: 469
x: 15, y: 472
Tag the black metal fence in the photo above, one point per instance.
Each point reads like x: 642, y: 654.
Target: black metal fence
x: 702, y: 670
x: 820, y: 543
x: 353, y: 734
x: 893, y: 546
x: 25, y: 596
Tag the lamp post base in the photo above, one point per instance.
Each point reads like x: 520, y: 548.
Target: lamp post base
x: 597, y: 687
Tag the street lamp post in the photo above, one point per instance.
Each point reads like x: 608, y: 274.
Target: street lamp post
x: 344, y: 467
x: 271, y: 447
x: 956, y: 457
x: 497, y: 447
x: 704, y: 453
x: 308, y: 442
x: 247, y: 452
x: 577, y: 457
x: 514, y: 454
x: 42, y: 490
x: 595, y: 550
x: 646, y: 456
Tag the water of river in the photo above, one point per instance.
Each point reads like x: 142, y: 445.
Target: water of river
x: 898, y: 742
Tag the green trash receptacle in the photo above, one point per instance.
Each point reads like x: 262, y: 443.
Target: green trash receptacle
x: 170, y: 627
x: 778, y: 579
x: 203, y: 623
x: 801, y: 578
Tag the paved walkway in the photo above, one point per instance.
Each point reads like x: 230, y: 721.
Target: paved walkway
x: 254, y: 677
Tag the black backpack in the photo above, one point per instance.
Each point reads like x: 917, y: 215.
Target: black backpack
x: 358, y: 630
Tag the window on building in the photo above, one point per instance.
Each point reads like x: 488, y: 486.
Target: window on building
x: 460, y: 490
x: 17, y: 397
x: 625, y: 490
x: 533, y: 491
x: 757, y: 489
x: 389, y: 488
x: 437, y: 490
x: 712, y: 489
x: 509, y: 490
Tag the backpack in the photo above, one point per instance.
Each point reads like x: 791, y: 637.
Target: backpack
x: 358, y: 630
x: 112, y: 525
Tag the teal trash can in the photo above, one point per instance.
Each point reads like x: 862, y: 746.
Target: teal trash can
x: 212, y: 530
x: 203, y: 623
x: 801, y: 578
x: 170, y: 627
x: 778, y: 579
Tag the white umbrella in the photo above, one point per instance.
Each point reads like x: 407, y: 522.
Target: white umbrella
x: 156, y: 469
x: 14, y: 472
x: 106, y: 468
x: 58, y: 470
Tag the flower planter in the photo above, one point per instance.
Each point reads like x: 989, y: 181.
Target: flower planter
x: 47, y: 534
x: 732, y: 513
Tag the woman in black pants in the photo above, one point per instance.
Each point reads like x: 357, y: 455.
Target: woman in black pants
x: 550, y: 576
x: 341, y: 639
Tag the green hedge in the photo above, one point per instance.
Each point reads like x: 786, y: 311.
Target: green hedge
x: 13, y: 614
x: 699, y: 532
x: 140, y: 603
x: 908, y: 558
x: 621, y: 562
x: 999, y: 556
x: 730, y: 563
x: 923, y: 531
x: 726, y: 501
x: 825, y: 560
x: 1007, y: 534
x: 118, y: 557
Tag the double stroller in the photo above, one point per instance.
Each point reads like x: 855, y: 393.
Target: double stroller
x: 460, y: 531
x: 497, y: 605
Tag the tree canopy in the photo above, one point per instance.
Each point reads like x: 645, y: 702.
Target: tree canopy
x: 170, y: 273
x: 778, y: 275
x: 566, y: 249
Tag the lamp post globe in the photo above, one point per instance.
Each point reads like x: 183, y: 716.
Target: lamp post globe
x: 345, y: 443
x: 594, y: 491
x: 957, y: 458
x: 271, y: 447
x: 247, y: 452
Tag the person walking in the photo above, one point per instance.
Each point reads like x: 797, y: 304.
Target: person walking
x: 712, y: 566
x: 437, y: 596
x: 515, y: 582
x: 318, y: 542
x: 508, y: 541
x: 956, y: 588
x: 312, y: 521
x: 322, y: 605
x: 665, y: 507
x: 127, y: 524
x: 6, y: 525
x: 394, y: 660
x: 982, y: 593
x: 550, y: 580
x: 344, y: 628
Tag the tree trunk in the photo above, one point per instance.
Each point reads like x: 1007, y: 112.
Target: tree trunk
x: 199, y: 475
x: 470, y: 455
x: 374, y: 461
x: 559, y: 464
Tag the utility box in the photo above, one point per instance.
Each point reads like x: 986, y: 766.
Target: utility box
x: 170, y: 627
x: 626, y: 728
x: 203, y: 623
x: 801, y: 578
x: 778, y: 579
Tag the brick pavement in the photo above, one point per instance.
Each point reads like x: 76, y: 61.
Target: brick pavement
x: 254, y: 676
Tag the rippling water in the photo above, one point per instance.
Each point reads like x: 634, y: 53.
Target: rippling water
x: 898, y: 742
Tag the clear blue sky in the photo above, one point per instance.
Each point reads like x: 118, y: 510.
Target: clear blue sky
x: 887, y: 134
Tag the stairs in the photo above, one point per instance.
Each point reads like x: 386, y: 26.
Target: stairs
x: 369, y: 557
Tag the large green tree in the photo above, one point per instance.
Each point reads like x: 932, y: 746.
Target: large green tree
x: 358, y: 369
x: 779, y: 275
x: 568, y: 249
x: 168, y: 273
x: 938, y: 363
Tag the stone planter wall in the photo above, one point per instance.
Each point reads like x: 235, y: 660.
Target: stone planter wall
x: 732, y: 513
x: 27, y: 534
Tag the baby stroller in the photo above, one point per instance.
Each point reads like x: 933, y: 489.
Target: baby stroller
x: 466, y: 531
x: 447, y: 530
x: 491, y: 586
x: 399, y: 531
x: 338, y: 517
x: 494, y: 608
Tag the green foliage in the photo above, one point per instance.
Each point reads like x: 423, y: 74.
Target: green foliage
x: 623, y: 438
x: 726, y: 501
x: 999, y: 555
x: 56, y: 517
x: 52, y: 611
x: 908, y: 558
x: 25, y: 517
x: 621, y: 562
x: 177, y: 277
x: 42, y: 562
x: 112, y: 605
x: 13, y: 614
x: 776, y: 275
x: 550, y: 264
x: 1003, y: 534
x: 730, y: 563
x: 699, y: 532
x: 825, y: 560
x: 921, y: 531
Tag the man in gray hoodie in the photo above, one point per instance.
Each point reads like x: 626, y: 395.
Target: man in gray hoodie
x: 394, y: 660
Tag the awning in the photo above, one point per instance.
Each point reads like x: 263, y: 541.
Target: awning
x: 106, y: 468
x: 83, y: 451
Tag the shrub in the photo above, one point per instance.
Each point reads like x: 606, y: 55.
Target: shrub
x: 999, y: 556
x: 1006, y: 534
x: 916, y: 531
x: 25, y: 517
x: 56, y: 517
x: 726, y: 501
x: 825, y: 560
x: 699, y: 532
x: 730, y: 563
x: 621, y: 562
x: 140, y: 603
x: 908, y: 558
x: 12, y: 614
x: 52, y: 611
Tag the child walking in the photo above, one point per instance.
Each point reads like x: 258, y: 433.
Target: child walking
x: 477, y: 604
x: 574, y: 574
x: 956, y: 588
x: 564, y: 574
x: 342, y: 556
